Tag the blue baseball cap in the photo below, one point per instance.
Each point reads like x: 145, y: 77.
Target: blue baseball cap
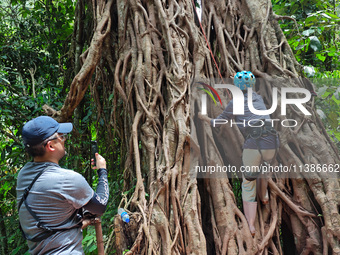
x: 39, y: 129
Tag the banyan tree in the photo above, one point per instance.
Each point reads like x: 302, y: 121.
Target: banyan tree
x: 142, y: 63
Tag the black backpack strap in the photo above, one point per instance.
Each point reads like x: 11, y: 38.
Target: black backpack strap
x: 23, y: 200
x: 27, y: 190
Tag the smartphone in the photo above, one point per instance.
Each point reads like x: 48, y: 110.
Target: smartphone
x: 94, y: 150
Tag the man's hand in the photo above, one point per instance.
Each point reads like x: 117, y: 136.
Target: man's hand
x: 90, y: 221
x: 101, y: 162
x: 203, y: 117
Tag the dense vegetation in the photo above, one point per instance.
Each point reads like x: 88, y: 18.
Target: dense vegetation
x: 37, y: 67
x: 314, y: 36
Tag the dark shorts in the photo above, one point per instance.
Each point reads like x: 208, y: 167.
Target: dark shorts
x: 265, y: 143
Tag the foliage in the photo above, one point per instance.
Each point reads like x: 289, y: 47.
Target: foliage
x: 33, y: 36
x: 35, y: 42
x: 315, y: 36
x: 89, y: 241
x: 315, y: 40
x: 328, y: 102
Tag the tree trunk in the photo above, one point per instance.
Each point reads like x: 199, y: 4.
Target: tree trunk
x: 151, y: 53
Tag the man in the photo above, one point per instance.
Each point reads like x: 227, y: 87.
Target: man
x: 50, y: 216
x: 260, y: 145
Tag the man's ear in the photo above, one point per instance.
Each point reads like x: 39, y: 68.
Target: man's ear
x: 50, y: 146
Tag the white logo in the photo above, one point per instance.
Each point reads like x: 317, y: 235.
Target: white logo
x: 238, y: 100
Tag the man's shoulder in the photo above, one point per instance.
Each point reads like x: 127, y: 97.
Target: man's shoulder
x: 59, y: 172
x: 62, y: 180
x: 30, y: 171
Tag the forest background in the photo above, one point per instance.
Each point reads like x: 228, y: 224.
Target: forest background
x: 37, y: 68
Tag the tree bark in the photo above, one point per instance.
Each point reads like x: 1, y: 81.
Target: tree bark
x: 151, y: 54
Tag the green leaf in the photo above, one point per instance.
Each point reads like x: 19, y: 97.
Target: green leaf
x: 93, y: 247
x: 87, y: 238
x: 4, y: 81
x: 337, y: 93
x: 16, y: 250
x: 300, y: 47
x: 337, y: 101
x: 326, y: 16
x: 333, y: 119
x: 332, y: 53
x: 322, y: 90
x: 310, y: 20
x: 332, y: 15
x: 321, y: 57
x: 337, y: 135
x: 308, y: 32
x: 315, y: 43
x: 91, y: 241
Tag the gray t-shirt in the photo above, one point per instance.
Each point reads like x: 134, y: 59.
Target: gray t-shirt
x: 55, y: 198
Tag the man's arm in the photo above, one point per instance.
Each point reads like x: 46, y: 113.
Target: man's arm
x: 98, y: 202
x: 227, y: 114
x: 204, y: 117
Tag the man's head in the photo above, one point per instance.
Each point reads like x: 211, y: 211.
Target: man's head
x: 43, y: 132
